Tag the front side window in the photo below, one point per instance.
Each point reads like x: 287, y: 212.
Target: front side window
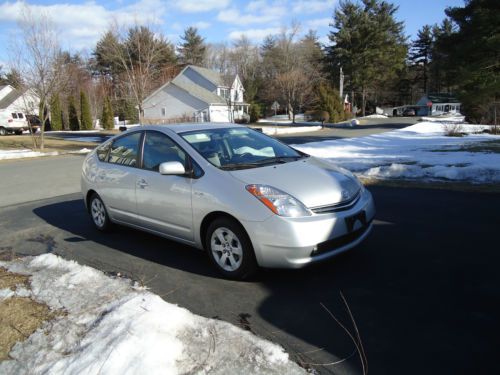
x: 14, y: 115
x: 239, y: 148
x: 159, y: 148
x: 20, y: 115
x: 125, y: 150
x: 102, y: 151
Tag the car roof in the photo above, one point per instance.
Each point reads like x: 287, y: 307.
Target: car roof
x: 182, y: 128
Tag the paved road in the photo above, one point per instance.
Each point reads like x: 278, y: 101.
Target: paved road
x: 424, y: 288
x: 32, y: 179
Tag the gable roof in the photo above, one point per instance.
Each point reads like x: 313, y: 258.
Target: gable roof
x: 198, y: 92
x: 442, y: 98
x: 10, y: 98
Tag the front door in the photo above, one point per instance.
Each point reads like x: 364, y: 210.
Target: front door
x: 164, y: 201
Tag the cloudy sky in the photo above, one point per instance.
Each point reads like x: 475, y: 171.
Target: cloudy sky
x: 81, y: 23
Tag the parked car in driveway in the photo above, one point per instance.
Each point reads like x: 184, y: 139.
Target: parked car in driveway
x: 247, y: 199
x: 12, y: 122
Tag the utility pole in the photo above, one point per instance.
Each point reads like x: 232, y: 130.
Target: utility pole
x: 341, y: 84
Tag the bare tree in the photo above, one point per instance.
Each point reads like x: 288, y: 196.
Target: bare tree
x: 140, y: 54
x: 36, y: 55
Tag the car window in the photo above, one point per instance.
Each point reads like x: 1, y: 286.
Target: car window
x: 125, y: 150
x: 20, y: 115
x: 102, y: 151
x: 14, y: 115
x: 159, y: 148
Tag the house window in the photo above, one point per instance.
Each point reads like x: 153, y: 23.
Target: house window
x: 164, y: 112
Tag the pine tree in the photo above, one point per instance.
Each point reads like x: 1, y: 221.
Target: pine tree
x: 368, y: 43
x: 192, y: 49
x: 56, y: 115
x: 107, y: 115
x: 85, y: 115
x: 330, y: 102
x: 74, y: 123
x: 472, y: 55
x: 420, y: 55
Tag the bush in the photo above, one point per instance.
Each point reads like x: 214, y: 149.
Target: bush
x: 320, y: 116
x: 107, y: 115
x: 255, y: 112
x: 86, y: 116
x: 329, y: 101
x: 56, y: 114
x: 74, y: 123
x: 453, y: 130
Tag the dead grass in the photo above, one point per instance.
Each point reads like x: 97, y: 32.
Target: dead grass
x: 16, y: 142
x: 19, y: 316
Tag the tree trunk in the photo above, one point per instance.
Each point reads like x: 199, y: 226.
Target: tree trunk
x: 363, y: 101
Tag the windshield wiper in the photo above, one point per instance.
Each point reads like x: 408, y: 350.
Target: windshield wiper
x: 278, y: 159
x: 235, y: 166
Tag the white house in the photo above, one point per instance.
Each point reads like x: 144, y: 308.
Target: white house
x: 14, y: 100
x: 197, y: 94
x: 437, y: 104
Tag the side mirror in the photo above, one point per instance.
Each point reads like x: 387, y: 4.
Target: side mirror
x: 172, y: 168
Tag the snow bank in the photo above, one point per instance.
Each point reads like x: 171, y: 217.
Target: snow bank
x: 420, y: 151
x: 25, y: 153
x: 375, y: 116
x: 453, y: 118
x: 289, y: 130
x: 111, y: 326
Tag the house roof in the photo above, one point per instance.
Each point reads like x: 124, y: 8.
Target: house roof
x: 10, y: 98
x: 197, y: 91
x: 442, y: 98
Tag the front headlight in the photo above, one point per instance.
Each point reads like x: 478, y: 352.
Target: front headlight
x: 277, y: 201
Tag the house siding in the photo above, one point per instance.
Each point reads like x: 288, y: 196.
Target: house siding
x: 176, y: 103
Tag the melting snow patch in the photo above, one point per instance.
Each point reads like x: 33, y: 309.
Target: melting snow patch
x: 112, y: 326
x: 25, y: 153
x: 421, y: 151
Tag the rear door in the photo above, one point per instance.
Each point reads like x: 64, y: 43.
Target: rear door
x: 117, y: 177
x: 164, y: 201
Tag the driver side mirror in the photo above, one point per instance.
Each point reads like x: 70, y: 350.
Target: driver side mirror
x: 172, y: 168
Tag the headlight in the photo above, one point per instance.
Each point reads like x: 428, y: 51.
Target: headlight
x: 278, y: 202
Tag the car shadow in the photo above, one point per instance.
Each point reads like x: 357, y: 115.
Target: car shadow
x: 124, y: 239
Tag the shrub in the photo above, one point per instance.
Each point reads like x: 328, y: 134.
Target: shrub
x: 86, y: 116
x: 74, y: 123
x: 56, y: 114
x: 107, y: 115
x: 453, y: 130
x: 255, y: 112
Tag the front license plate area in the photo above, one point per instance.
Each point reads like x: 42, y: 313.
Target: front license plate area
x: 351, y: 222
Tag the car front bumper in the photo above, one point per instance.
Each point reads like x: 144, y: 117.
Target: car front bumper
x: 281, y: 242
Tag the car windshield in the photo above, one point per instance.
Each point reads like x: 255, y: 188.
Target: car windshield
x: 240, y: 148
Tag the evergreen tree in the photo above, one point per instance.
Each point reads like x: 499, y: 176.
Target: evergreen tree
x: 368, y: 43
x: 107, y: 115
x: 192, y: 49
x: 74, y: 123
x: 85, y: 115
x: 330, y: 102
x: 56, y: 114
x: 473, y: 55
x: 420, y: 55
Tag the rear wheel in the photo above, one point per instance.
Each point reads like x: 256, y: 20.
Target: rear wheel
x: 3, y: 131
x: 18, y: 132
x: 230, y: 249
x: 98, y: 213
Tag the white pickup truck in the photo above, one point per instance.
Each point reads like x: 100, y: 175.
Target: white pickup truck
x: 13, y: 122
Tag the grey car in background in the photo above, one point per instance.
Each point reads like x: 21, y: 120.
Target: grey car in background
x: 247, y: 199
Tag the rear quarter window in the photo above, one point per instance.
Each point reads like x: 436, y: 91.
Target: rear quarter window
x: 102, y: 151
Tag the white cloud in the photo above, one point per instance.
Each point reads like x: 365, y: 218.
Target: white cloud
x: 81, y: 25
x: 255, y: 35
x: 313, y: 6
x: 193, y: 6
x: 202, y: 25
x: 258, y: 11
x: 318, y: 23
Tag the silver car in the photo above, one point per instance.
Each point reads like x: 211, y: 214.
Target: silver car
x: 247, y: 199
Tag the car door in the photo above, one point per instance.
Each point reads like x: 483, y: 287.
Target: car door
x: 164, y: 201
x: 117, y: 178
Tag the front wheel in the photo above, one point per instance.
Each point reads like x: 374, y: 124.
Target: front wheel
x: 230, y: 249
x: 3, y: 131
x: 98, y: 213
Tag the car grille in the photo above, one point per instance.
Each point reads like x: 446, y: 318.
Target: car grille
x: 342, y: 206
x: 335, y: 243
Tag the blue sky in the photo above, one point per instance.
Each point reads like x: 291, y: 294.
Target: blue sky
x: 81, y: 23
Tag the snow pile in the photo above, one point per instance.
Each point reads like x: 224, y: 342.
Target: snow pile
x: 446, y: 118
x: 111, y: 326
x: 421, y: 151
x: 289, y: 130
x: 24, y: 153
x: 376, y: 116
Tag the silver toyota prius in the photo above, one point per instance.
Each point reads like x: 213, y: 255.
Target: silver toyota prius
x: 247, y: 199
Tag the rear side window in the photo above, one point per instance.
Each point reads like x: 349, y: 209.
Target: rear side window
x: 159, y: 148
x: 20, y: 115
x: 14, y: 115
x: 125, y: 150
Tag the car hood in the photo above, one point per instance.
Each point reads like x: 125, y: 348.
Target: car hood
x: 312, y: 181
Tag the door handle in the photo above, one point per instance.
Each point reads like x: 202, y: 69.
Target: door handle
x: 142, y: 183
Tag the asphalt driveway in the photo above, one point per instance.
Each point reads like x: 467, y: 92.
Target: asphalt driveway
x: 424, y: 287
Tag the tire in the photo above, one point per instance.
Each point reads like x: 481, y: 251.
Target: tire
x: 230, y: 249
x: 98, y: 213
x: 18, y: 132
x: 3, y: 131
